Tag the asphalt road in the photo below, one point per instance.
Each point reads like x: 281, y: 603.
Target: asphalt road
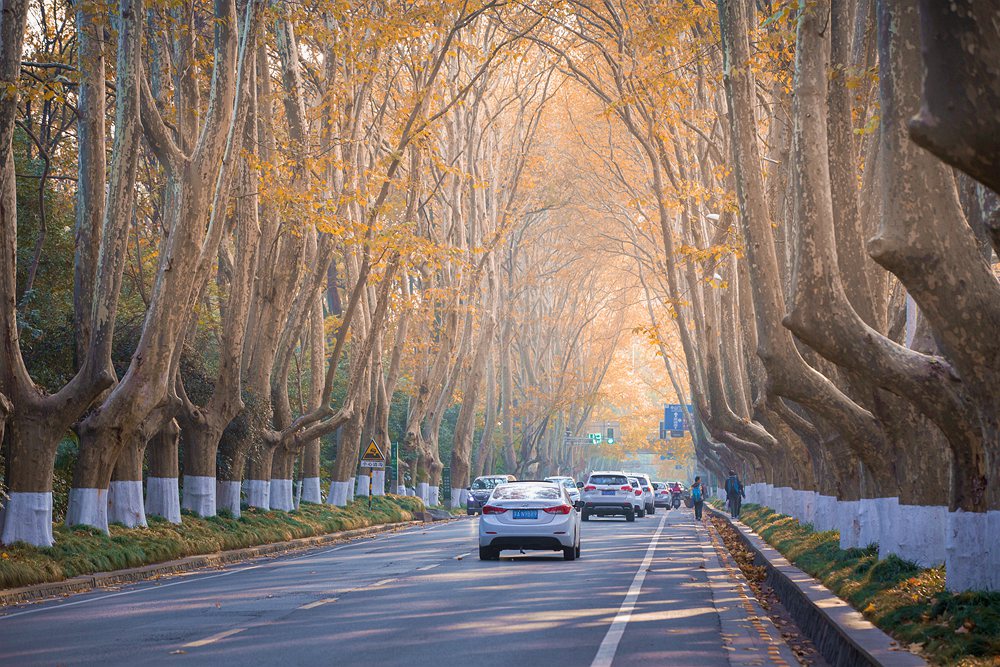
x: 649, y: 592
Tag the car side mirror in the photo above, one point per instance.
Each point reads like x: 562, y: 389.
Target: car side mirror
x: 579, y: 485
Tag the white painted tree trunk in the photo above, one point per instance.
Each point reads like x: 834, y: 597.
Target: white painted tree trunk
x: 163, y: 498
x: 967, y: 553
x: 433, y: 495
x: 281, y: 495
x: 378, y: 483
x: 258, y: 493
x: 199, y: 495
x: 339, y: 493
x: 227, y: 497
x: 922, y: 534
x: 361, y: 490
x: 993, y: 545
x: 458, y: 497
x: 825, y: 517
x: 868, y: 522
x: 401, y: 490
x: 125, y: 503
x: 848, y: 523
x: 88, y: 507
x: 423, y: 490
x: 311, y: 491
x: 889, y: 527
x: 27, y: 517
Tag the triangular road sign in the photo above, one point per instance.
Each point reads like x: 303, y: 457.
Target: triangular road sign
x: 373, y: 453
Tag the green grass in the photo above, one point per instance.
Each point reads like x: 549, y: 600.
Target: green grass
x: 80, y: 550
x: 904, y: 600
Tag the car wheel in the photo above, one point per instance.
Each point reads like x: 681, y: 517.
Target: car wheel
x: 489, y: 553
x: 640, y: 512
x: 470, y: 512
x: 578, y: 550
x: 584, y: 515
x: 651, y: 509
x: 569, y: 553
x: 630, y: 516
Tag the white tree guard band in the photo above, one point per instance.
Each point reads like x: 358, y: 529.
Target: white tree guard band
x: 311, y: 491
x: 88, y: 507
x: 163, y: 498
x: 282, y: 497
x: 27, y: 517
x: 199, y: 495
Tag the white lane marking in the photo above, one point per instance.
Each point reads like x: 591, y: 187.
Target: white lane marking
x: 461, y: 556
x: 214, y: 638
x: 379, y: 583
x: 318, y: 603
x: 360, y: 542
x: 606, y: 653
x: 427, y: 567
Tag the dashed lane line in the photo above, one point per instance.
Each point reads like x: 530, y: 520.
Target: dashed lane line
x: 318, y: 603
x: 227, y: 573
x: 214, y: 638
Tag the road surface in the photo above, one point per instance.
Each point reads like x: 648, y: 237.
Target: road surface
x: 646, y: 593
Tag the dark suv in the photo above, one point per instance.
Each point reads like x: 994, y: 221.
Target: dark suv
x: 480, y: 490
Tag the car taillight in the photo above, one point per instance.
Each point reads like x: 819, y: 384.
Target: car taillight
x: 626, y: 488
x: 558, y: 509
x: 590, y: 487
x: 493, y: 509
x: 638, y: 492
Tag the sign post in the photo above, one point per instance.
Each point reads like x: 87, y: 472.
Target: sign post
x: 373, y: 458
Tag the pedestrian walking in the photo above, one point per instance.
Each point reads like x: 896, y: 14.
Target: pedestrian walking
x: 735, y: 493
x: 698, y: 496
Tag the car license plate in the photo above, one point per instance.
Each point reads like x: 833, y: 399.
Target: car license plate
x: 525, y: 514
x: 608, y: 493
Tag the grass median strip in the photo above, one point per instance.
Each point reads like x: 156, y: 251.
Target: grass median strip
x: 79, y: 550
x: 906, y: 601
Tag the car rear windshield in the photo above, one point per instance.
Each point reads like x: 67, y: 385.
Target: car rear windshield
x: 527, y: 492
x: 487, y: 482
x: 610, y: 480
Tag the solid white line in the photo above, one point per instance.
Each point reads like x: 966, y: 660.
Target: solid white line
x: 606, y: 653
x: 214, y: 638
x: 461, y: 556
x: 427, y: 567
x: 318, y: 603
x: 379, y: 583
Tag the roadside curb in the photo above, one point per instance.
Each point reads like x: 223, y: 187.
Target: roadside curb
x: 839, y: 631
x: 88, y: 582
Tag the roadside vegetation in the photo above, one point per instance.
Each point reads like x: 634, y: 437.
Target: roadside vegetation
x: 85, y: 550
x: 904, y: 600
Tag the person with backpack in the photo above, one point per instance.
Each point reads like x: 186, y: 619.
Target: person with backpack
x: 735, y: 493
x: 697, y: 497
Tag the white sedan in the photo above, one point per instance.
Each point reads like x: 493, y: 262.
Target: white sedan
x: 529, y: 516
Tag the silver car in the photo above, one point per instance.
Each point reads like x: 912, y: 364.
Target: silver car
x: 529, y: 515
x: 648, y: 492
x: 608, y: 493
x: 569, y: 483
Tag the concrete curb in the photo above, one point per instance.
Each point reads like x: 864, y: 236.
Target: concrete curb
x: 88, y: 582
x: 839, y: 631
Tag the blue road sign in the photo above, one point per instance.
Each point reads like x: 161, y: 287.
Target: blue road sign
x: 675, y: 418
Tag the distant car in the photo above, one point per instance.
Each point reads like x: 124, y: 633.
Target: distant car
x: 569, y: 483
x: 608, y: 493
x: 639, y: 500
x: 480, y: 490
x: 661, y: 494
x: 529, y: 515
x: 648, y: 496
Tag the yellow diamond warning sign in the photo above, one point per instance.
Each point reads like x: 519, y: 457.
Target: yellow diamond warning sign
x: 373, y: 456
